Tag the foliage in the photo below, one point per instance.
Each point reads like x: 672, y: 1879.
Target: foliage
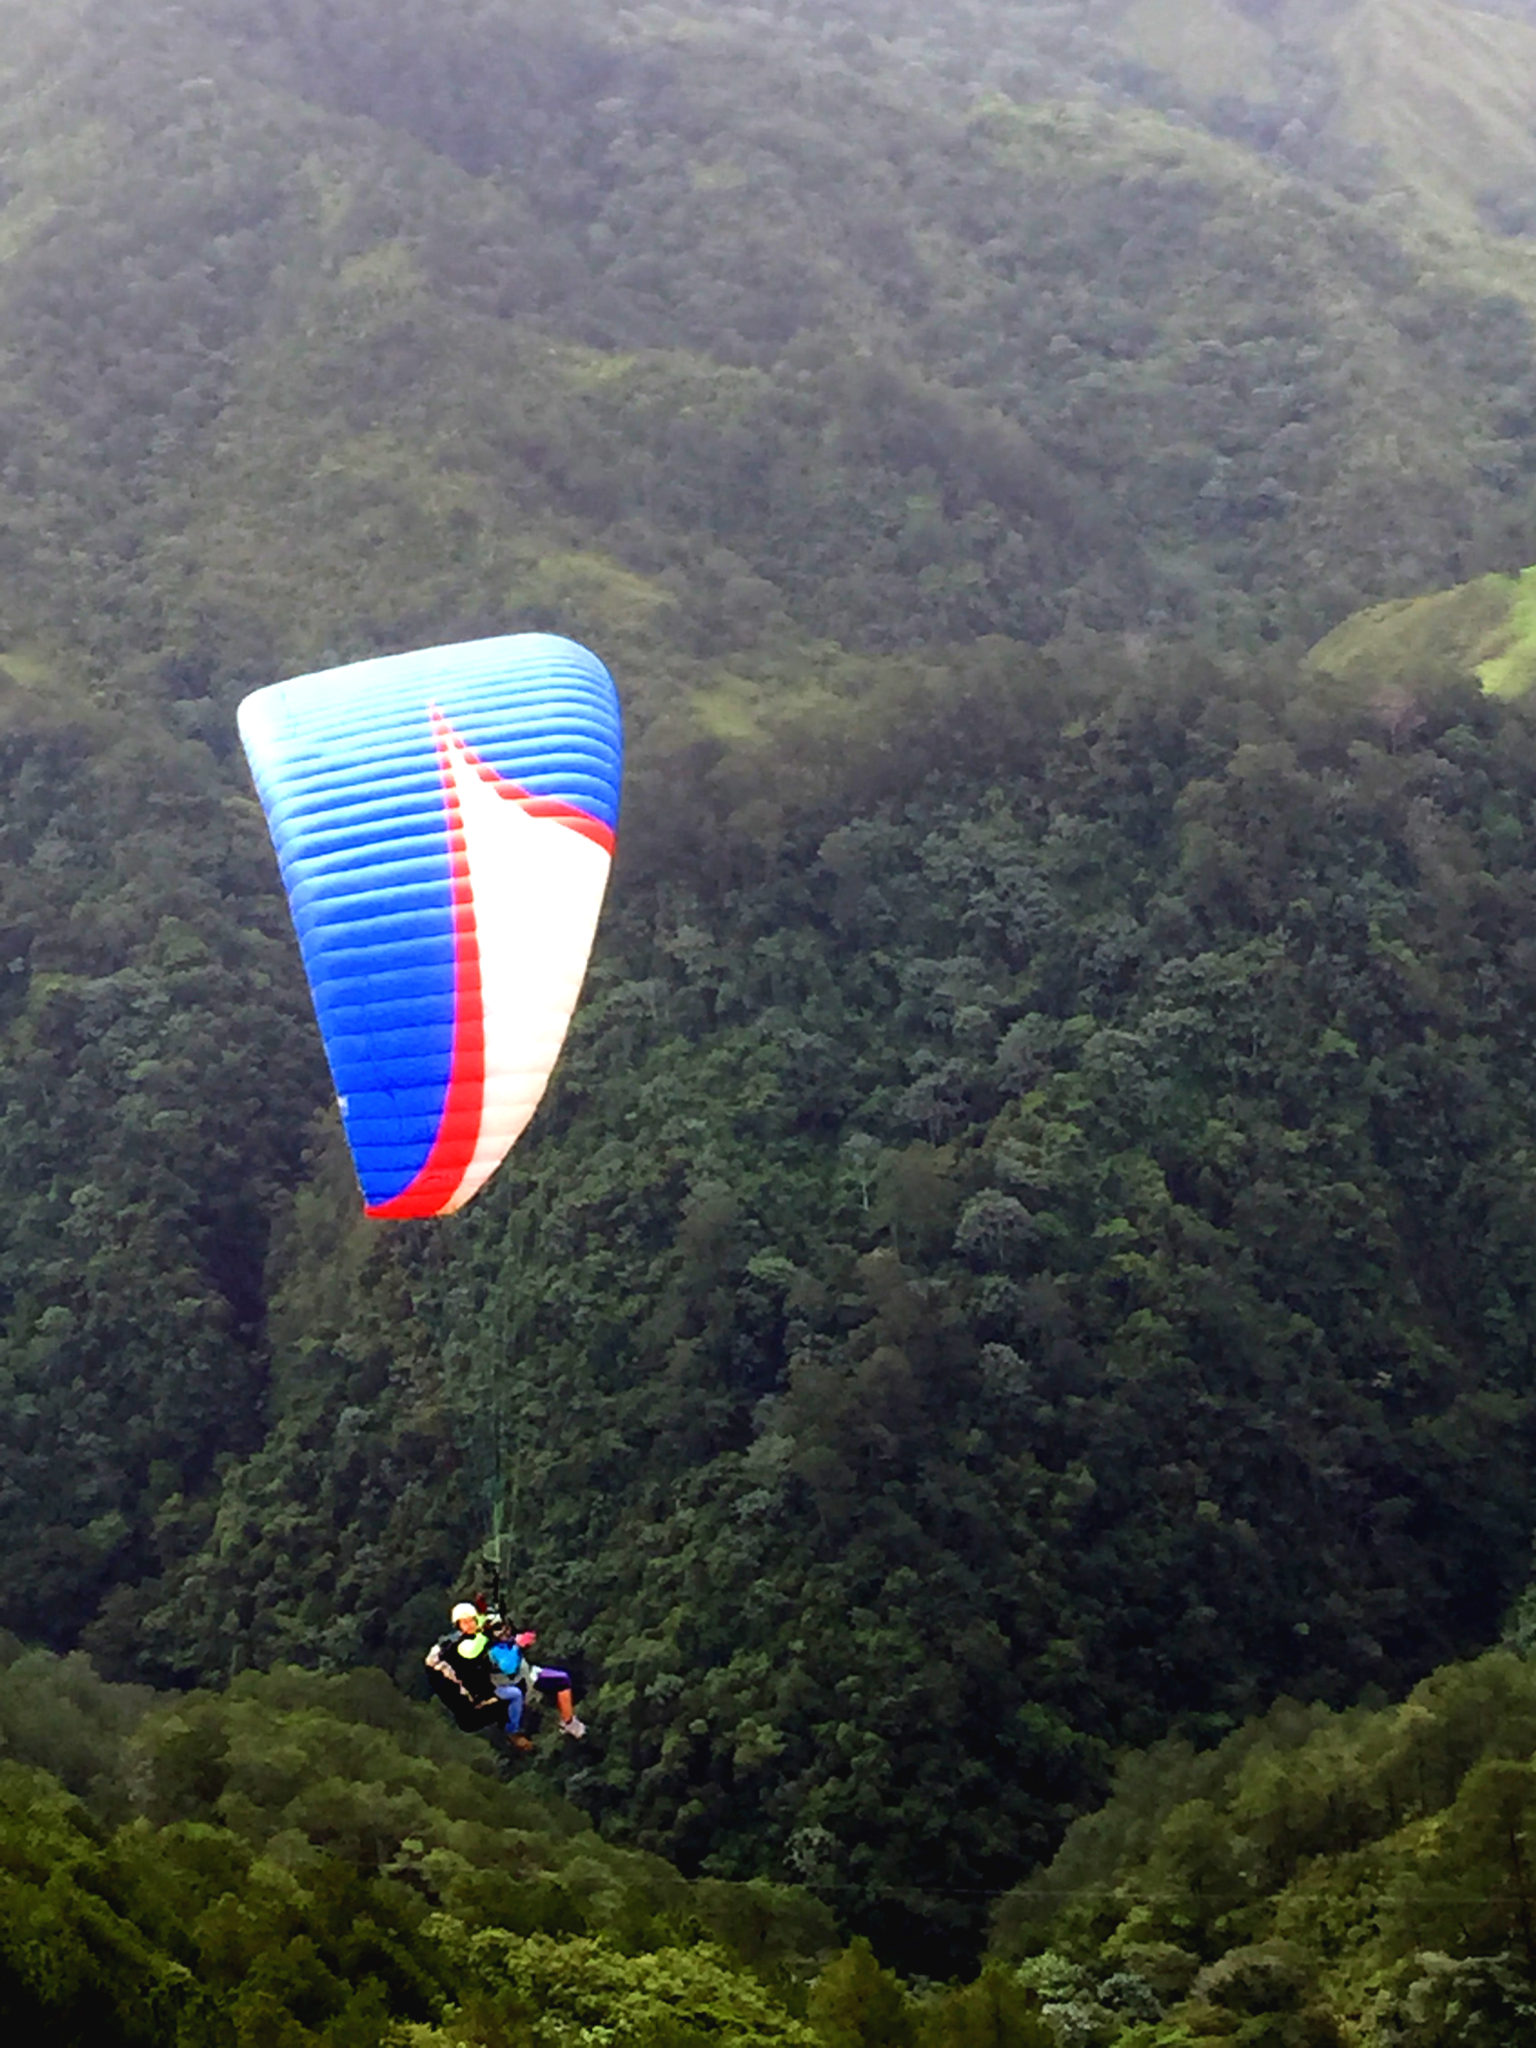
x: 557, y: 1992
x: 156, y: 1081
x: 1319, y: 1877
x: 325, y: 327
x: 308, y: 1860
x: 1011, y: 1265
x: 1345, y: 93
x: 1031, y: 1244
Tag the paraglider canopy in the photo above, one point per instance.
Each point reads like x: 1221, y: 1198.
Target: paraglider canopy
x: 444, y: 822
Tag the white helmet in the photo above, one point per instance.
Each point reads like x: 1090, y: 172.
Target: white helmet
x: 466, y: 1610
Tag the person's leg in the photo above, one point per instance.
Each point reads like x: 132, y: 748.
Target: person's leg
x: 503, y: 1731
x: 556, y: 1685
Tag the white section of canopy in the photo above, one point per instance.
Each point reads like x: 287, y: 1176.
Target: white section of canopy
x: 537, y: 888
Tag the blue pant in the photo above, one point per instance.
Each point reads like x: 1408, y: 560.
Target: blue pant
x: 512, y: 1696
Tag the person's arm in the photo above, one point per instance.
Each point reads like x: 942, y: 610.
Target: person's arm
x: 436, y: 1661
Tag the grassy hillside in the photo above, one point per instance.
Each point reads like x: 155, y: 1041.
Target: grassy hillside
x: 1443, y: 93
x: 1211, y: 48
x: 1435, y: 95
x: 1485, y: 629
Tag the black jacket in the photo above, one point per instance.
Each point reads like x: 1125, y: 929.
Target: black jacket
x: 465, y: 1685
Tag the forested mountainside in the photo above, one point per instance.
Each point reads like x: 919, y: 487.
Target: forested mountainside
x: 728, y: 330
x: 313, y: 1860
x: 1030, y: 1247
x: 1317, y: 1880
x: 1423, y: 97
x: 1017, y: 1257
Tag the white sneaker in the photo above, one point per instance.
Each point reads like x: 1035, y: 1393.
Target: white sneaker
x: 573, y: 1727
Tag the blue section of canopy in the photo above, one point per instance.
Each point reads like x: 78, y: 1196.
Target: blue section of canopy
x: 346, y: 764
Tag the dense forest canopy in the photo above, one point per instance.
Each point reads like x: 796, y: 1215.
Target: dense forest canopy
x: 1031, y: 1245
x: 1316, y: 1880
